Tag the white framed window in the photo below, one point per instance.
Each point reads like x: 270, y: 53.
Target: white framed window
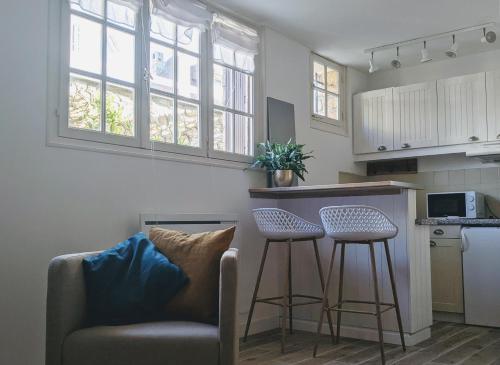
x: 100, y: 87
x: 147, y: 75
x: 233, y: 109
x: 327, y: 80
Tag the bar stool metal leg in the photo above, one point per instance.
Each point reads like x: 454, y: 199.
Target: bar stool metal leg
x: 377, y: 302
x: 256, y: 289
x: 324, y: 305
x: 290, y: 297
x: 322, y: 282
x: 285, y: 298
x: 341, y: 288
x: 394, y: 293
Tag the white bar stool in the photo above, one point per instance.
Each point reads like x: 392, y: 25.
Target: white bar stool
x: 278, y: 225
x: 359, y: 224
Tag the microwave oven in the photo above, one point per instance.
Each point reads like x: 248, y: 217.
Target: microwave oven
x: 465, y: 204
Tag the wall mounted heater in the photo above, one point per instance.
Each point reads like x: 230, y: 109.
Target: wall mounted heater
x: 191, y: 223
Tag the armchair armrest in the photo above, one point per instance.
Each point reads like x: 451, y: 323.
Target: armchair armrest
x: 228, y: 308
x: 65, y: 302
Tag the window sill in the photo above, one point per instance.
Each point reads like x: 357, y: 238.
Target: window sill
x: 76, y: 144
x: 329, y: 127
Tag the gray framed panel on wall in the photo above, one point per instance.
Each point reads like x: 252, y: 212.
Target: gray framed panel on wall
x: 280, y: 121
x: 280, y: 125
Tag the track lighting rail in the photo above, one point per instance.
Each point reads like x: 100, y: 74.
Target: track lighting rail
x: 428, y: 38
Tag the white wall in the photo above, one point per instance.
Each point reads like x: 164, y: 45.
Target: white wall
x: 287, y: 79
x: 55, y: 201
x: 461, y: 65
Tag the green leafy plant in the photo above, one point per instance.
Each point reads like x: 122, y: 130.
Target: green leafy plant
x: 277, y: 156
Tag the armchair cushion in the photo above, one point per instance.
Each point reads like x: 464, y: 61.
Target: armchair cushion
x: 153, y: 343
x: 129, y: 283
x: 199, y: 256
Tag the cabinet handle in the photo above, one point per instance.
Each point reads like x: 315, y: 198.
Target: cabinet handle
x: 405, y: 145
x: 438, y: 232
x: 473, y: 138
x: 381, y: 148
x: 433, y: 244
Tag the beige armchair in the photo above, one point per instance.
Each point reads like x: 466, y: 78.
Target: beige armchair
x: 70, y: 342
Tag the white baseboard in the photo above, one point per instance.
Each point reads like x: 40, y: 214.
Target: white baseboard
x: 369, y: 334
x: 260, y: 325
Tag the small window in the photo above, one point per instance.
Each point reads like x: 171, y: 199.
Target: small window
x: 327, y: 95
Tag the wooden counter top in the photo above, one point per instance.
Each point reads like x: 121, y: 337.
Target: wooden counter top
x: 349, y: 189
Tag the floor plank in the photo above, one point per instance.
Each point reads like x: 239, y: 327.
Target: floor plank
x: 486, y: 356
x: 450, y: 343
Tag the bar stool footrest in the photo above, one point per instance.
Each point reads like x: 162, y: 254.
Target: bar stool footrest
x: 279, y: 300
x: 335, y: 307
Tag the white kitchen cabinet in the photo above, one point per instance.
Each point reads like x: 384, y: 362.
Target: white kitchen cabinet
x: 493, y: 104
x: 373, y: 121
x: 415, y: 116
x: 446, y: 275
x: 462, y: 109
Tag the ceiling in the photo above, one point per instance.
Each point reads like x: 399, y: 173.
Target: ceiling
x: 342, y: 29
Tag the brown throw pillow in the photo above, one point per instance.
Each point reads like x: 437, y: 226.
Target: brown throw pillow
x: 199, y: 256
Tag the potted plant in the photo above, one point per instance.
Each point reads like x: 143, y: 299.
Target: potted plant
x: 283, y: 160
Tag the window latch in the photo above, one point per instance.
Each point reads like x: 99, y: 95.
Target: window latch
x: 147, y: 75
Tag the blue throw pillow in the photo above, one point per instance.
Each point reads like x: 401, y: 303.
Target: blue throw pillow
x: 130, y: 282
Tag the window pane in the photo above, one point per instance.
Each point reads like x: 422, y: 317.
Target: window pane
x: 85, y: 47
x: 332, y: 80
x: 120, y: 14
x: 120, y: 55
x: 243, y: 92
x: 162, y: 119
x: 242, y: 138
x: 188, y: 38
x: 187, y: 124
x: 187, y: 75
x: 93, y: 7
x: 120, y: 110
x: 319, y: 75
x: 332, y: 106
x: 318, y: 102
x: 162, y: 68
x: 84, y: 103
x: 223, y: 86
x: 223, y: 131
x: 223, y: 54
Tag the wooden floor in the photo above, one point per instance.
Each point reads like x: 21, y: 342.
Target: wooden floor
x: 449, y: 344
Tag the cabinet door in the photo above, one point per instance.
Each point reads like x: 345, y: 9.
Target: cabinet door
x: 462, y: 109
x: 493, y: 104
x: 373, y: 121
x: 446, y: 275
x: 415, y: 116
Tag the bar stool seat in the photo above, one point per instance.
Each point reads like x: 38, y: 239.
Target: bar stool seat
x: 278, y: 225
x: 359, y: 224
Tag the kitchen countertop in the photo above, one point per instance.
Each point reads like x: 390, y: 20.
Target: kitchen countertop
x: 480, y: 222
x: 349, y: 189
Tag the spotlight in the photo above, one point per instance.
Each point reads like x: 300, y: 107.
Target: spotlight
x: 425, y: 54
x: 373, y: 68
x: 396, y: 63
x: 489, y: 37
x: 452, y: 52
